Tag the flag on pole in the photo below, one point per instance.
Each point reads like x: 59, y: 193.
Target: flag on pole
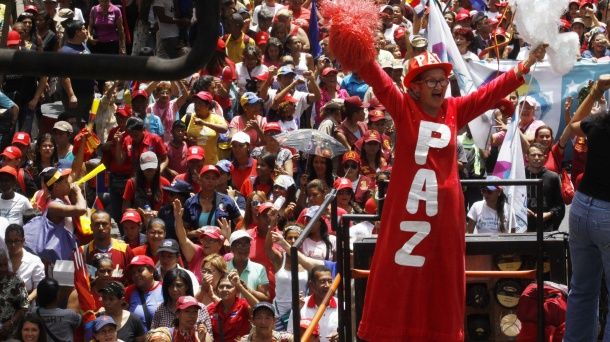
x: 440, y: 41
x: 510, y: 166
x: 85, y: 298
x: 419, y: 6
x: 314, y: 31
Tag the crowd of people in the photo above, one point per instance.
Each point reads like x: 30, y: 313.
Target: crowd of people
x: 188, y: 230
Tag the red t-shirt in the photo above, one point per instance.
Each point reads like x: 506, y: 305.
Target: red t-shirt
x: 416, y: 289
x: 235, y: 323
x: 240, y: 173
x: 150, y: 142
x: 143, y: 250
x: 109, y: 157
x: 247, y: 188
x: 130, y: 191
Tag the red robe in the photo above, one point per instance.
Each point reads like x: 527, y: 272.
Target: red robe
x: 416, y: 288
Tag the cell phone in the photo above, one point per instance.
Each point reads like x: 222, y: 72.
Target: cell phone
x: 279, y: 202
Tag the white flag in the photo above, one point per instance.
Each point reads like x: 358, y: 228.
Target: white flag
x: 440, y: 41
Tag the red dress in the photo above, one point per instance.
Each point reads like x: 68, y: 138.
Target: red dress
x: 416, y: 288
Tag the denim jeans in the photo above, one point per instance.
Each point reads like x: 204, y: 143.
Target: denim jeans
x: 590, y: 256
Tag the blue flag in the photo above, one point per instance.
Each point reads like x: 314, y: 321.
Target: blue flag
x: 314, y: 32
x: 478, y: 5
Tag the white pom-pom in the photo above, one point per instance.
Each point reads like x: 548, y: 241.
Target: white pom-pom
x: 563, y: 52
x: 538, y: 23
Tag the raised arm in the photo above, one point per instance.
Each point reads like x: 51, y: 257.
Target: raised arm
x: 186, y: 245
x: 597, y: 91
x: 486, y: 96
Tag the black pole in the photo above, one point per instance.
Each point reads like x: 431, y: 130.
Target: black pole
x: 296, y: 307
x: 540, y: 260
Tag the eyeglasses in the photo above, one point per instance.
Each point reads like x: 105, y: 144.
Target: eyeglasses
x: 430, y: 83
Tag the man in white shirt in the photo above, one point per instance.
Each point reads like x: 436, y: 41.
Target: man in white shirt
x: 12, y: 204
x: 320, y: 280
x: 168, y: 36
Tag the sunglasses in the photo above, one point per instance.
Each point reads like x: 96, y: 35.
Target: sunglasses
x: 351, y: 165
x: 255, y: 204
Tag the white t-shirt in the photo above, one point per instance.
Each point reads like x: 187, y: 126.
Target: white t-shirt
x: 257, y: 9
x: 486, y: 219
x: 14, y: 208
x: 166, y: 30
x: 301, y: 106
x: 243, y: 75
x: 317, y: 250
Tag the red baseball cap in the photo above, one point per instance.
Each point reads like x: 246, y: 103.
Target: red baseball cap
x: 124, y: 111
x: 261, y: 38
x: 21, y: 138
x: 131, y: 215
x: 204, y: 96
x: 209, y: 168
x: 376, y: 115
x: 262, y: 77
x: 31, y: 8
x: 423, y: 62
x: 342, y: 183
x: 351, y: 156
x: 372, y: 135
x: 272, y: 127
x: 142, y: 260
x: 399, y: 33
x: 139, y: 93
x: 463, y: 14
x: 329, y: 70
x: 264, y: 207
x: 12, y: 152
x: 186, y: 302
x: 13, y: 38
x: 211, y: 231
x: 195, y: 153
x: 10, y: 170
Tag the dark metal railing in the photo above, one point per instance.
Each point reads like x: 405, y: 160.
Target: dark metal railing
x: 98, y: 66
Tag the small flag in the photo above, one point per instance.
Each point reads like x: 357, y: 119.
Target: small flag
x: 314, y: 32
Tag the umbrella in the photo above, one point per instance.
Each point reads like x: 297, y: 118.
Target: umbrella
x: 311, y: 141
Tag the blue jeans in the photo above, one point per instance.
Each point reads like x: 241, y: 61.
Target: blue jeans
x: 590, y: 256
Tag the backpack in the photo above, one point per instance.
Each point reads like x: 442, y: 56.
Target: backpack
x: 555, y: 307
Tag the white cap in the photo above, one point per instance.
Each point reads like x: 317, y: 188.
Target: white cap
x: 241, y: 137
x: 531, y: 101
x: 238, y: 234
x: 148, y: 160
x: 284, y: 181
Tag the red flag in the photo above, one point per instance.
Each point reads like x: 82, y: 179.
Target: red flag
x: 83, y: 290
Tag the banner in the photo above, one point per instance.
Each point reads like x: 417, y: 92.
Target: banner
x: 548, y: 88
